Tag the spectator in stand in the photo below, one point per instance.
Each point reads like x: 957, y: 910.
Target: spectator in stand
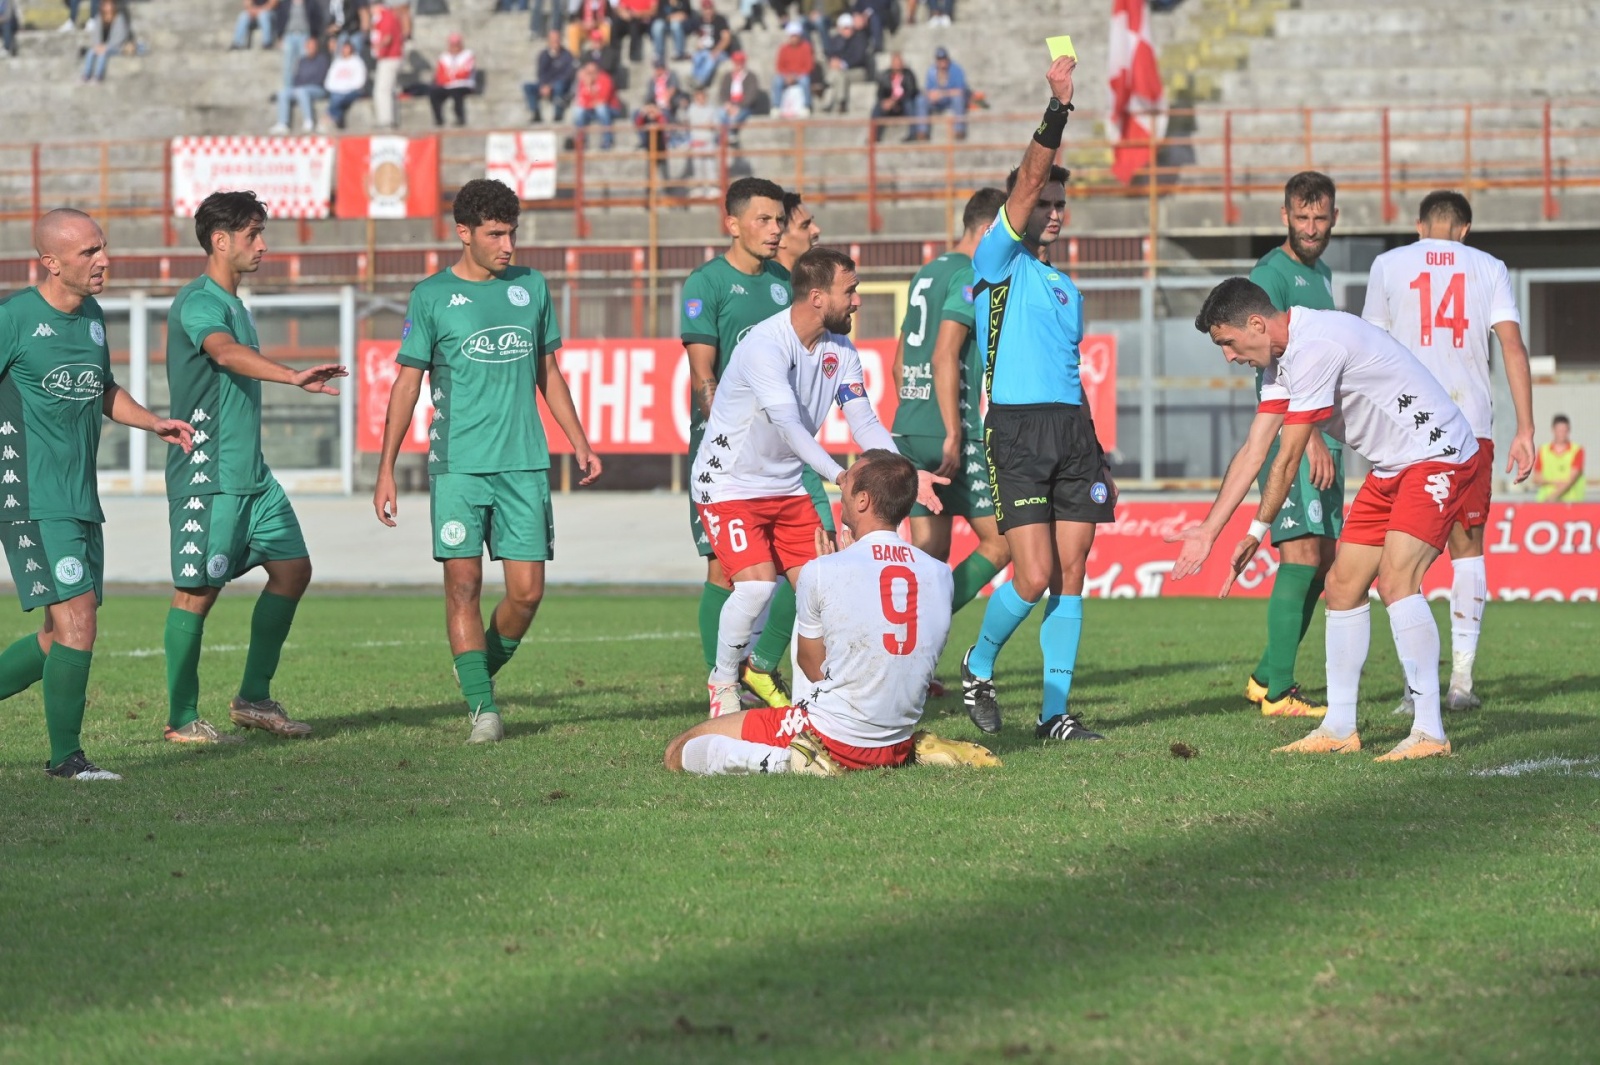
x: 848, y: 59
x: 631, y: 19
x: 257, y: 14
x: 737, y: 96
x: 546, y: 16
x: 347, y: 78
x: 705, y: 126
x: 665, y: 91
x: 654, y: 117
x: 874, y: 18
x: 553, y: 76
x: 591, y: 101
x: 940, y: 12
x: 295, y: 22
x: 897, y: 96
x: 388, y: 49
x: 454, y: 79
x: 347, y: 21
x: 72, y: 16
x: 402, y: 10
x: 8, y: 27
x: 754, y: 13
x: 108, y: 30
x: 605, y: 56
x: 944, y: 90
x: 796, y: 60
x: 674, y: 17
x: 713, y: 43
x: 584, y: 19
x: 305, y: 88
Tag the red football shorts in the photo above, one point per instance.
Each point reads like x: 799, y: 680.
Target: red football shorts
x: 776, y: 726
x: 748, y: 532
x: 1475, y: 501
x: 1424, y: 501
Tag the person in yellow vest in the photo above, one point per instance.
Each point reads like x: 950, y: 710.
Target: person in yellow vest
x: 1558, y: 471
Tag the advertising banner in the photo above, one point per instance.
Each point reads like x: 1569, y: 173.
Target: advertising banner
x: 293, y: 176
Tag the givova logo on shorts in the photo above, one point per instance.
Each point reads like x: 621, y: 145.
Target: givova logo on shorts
x: 76, y: 381
x: 452, y: 534
x: 501, y: 343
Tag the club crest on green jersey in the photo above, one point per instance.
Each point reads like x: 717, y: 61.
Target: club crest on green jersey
x: 518, y: 296
x: 97, y: 333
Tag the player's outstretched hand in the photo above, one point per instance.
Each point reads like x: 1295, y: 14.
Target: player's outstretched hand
x: 1321, y: 462
x: 384, y: 502
x: 1060, y: 78
x: 949, y: 457
x: 925, y: 493
x: 1241, y: 558
x: 316, y: 379
x: 1197, y: 544
x: 1521, y: 456
x: 175, y: 432
x: 589, y: 463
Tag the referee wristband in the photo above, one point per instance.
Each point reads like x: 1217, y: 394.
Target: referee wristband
x: 1053, y: 124
x: 1259, y: 530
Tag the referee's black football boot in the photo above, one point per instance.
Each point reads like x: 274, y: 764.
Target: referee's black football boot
x: 1064, y: 727
x: 978, y: 695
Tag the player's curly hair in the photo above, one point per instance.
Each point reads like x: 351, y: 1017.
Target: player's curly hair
x: 889, y: 479
x: 486, y: 200
x: 226, y: 212
x: 1233, y: 303
x: 741, y: 192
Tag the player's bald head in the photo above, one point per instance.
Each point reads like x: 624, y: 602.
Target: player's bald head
x: 61, y: 230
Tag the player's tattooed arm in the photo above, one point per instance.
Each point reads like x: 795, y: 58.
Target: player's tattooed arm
x: 703, y: 375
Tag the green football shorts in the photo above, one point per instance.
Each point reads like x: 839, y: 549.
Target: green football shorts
x: 968, y: 495
x: 1308, y: 510
x: 510, y: 512
x: 218, y: 537
x: 55, y: 559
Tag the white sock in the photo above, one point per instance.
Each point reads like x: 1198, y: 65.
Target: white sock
x: 738, y: 620
x: 1416, y: 639
x: 1348, y: 636
x: 713, y: 756
x: 1469, y: 590
x: 761, y: 622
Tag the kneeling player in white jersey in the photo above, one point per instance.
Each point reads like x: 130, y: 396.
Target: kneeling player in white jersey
x: 872, y: 620
x: 779, y: 385
x: 1442, y: 299
x: 1330, y: 368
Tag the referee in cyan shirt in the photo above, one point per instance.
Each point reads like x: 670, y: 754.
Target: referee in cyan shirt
x: 1051, y: 480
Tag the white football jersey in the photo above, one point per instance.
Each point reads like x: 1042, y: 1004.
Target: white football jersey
x: 1442, y: 300
x: 743, y: 454
x: 1367, y: 391
x: 882, y: 611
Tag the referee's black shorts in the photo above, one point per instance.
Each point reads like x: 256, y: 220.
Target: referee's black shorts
x: 1045, y: 465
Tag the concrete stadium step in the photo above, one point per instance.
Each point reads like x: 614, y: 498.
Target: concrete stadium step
x: 1251, y: 88
x: 1425, y: 21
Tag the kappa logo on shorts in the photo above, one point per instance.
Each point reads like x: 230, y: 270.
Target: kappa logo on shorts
x: 38, y: 588
x: 69, y: 570
x: 188, y: 570
x: 1099, y: 492
x: 518, y: 296
x: 217, y: 567
x: 1314, y: 510
x: 794, y: 722
x: 1289, y: 523
x: 452, y: 534
x: 1438, y: 486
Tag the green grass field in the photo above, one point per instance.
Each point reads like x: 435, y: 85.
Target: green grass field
x: 382, y: 893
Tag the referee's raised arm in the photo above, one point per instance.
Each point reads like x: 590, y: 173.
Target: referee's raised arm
x: 1034, y: 173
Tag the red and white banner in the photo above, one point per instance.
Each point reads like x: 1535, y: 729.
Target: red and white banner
x: 388, y: 177
x: 293, y: 176
x: 526, y: 162
x: 1138, y: 97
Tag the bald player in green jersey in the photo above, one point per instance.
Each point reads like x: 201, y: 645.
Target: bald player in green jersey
x: 55, y: 387
x: 1307, y: 527
x: 722, y: 301
x: 226, y: 513
x: 486, y: 334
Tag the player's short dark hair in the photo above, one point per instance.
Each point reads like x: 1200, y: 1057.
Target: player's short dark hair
x: 1561, y: 419
x: 889, y: 479
x: 791, y: 200
x: 226, y: 212
x: 1057, y: 173
x: 1232, y: 303
x: 486, y: 200
x: 741, y: 192
x: 817, y: 268
x: 1308, y: 186
x: 982, y: 208
x: 1445, y: 205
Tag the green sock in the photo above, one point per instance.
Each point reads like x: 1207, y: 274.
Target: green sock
x: 1286, y: 611
x: 269, y: 627
x: 472, y: 672
x: 1313, y: 595
x: 774, y: 642
x: 66, y: 687
x: 21, y: 666
x: 712, y: 596
x: 184, y: 629
x: 970, y: 577
x: 501, y: 648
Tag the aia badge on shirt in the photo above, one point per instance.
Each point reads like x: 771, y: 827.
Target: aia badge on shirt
x: 830, y: 365
x: 693, y: 308
x: 1061, y: 297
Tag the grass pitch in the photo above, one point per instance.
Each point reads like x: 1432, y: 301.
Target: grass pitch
x: 382, y: 893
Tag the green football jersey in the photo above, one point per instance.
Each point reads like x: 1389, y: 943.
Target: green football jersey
x: 481, y: 343
x: 1293, y: 284
x: 941, y: 291
x: 54, y: 370
x: 721, y: 304
x: 223, y: 407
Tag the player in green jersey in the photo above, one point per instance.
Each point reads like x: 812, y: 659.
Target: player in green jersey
x: 486, y: 334
x: 1307, y: 528
x: 722, y: 300
x: 938, y: 424
x: 226, y: 513
x: 800, y: 234
x: 55, y: 386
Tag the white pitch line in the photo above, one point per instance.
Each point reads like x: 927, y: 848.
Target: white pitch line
x: 225, y: 648
x: 1539, y: 765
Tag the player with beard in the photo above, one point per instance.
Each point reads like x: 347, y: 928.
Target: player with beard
x: 1307, y: 528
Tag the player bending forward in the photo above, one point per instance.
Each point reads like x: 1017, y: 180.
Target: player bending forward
x: 779, y: 385
x: 872, y: 621
x: 1327, y: 367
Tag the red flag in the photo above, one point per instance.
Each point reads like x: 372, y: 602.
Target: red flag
x: 388, y: 177
x: 1138, y: 99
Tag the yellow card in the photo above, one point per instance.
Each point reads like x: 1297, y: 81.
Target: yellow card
x: 1060, y: 46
